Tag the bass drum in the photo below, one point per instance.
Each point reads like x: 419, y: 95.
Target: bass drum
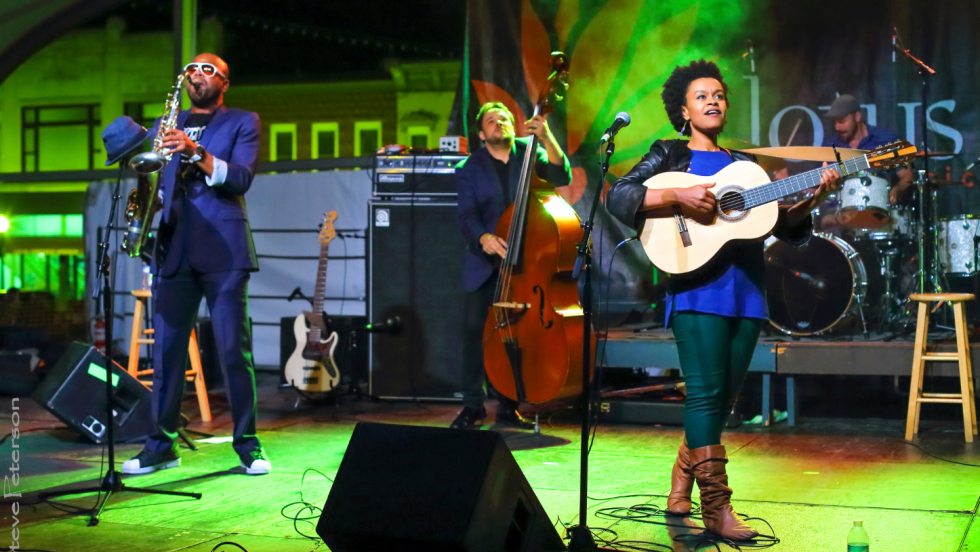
x: 815, y: 287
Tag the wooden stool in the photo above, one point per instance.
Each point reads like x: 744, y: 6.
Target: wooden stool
x: 137, y: 339
x: 962, y: 356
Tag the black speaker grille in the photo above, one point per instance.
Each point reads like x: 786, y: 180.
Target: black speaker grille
x: 414, y: 272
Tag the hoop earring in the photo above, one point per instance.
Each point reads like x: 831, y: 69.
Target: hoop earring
x: 683, y: 128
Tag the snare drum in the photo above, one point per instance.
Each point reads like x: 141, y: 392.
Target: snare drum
x: 957, y: 249
x: 864, y: 201
x: 813, y: 288
x: 900, y: 227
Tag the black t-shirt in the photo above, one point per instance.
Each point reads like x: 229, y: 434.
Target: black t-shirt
x: 195, y: 124
x: 503, y: 172
x: 194, y: 129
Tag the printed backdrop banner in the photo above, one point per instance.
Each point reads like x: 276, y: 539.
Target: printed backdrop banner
x: 784, y: 62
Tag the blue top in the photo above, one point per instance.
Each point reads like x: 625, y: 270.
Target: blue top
x: 734, y: 282
x: 876, y: 137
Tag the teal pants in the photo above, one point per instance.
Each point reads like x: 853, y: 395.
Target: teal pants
x: 715, y: 352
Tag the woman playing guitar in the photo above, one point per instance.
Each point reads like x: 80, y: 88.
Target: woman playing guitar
x: 716, y: 312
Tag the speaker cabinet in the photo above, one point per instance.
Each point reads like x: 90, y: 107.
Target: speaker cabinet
x: 428, y: 489
x: 74, y: 391
x: 415, y: 257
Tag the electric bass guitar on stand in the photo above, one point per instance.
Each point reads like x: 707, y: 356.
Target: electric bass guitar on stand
x: 311, y: 367
x: 746, y: 207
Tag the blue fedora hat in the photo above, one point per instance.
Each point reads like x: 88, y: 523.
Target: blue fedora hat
x: 122, y: 136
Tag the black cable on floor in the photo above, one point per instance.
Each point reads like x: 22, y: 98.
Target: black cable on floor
x: 920, y: 447
x: 298, y: 515
x: 648, y: 513
x: 24, y: 431
x: 220, y: 544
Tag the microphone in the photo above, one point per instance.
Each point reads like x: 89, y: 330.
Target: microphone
x: 622, y: 120
x: 390, y: 325
x: 971, y: 165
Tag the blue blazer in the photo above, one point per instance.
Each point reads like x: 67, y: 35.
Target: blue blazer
x: 481, y: 202
x: 210, y: 224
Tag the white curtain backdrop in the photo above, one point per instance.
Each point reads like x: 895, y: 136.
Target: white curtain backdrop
x: 293, y: 201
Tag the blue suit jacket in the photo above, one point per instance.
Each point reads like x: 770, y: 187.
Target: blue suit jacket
x: 481, y: 202
x: 210, y: 224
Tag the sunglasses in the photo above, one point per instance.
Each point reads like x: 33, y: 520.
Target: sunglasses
x: 206, y: 69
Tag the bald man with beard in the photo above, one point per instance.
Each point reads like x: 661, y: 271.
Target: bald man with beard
x: 204, y: 250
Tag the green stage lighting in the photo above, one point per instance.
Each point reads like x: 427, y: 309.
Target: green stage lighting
x: 4, y: 224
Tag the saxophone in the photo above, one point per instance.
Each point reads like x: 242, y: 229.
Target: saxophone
x: 144, y: 201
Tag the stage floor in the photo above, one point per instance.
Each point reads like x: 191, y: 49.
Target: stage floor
x: 809, y: 482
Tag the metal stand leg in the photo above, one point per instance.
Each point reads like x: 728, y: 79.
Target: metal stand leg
x: 792, y: 401
x: 767, y: 413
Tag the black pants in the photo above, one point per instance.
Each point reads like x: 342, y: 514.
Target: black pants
x: 176, y: 302
x: 476, y: 307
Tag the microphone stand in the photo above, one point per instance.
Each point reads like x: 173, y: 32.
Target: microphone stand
x: 581, y: 536
x: 927, y: 258
x: 112, y: 482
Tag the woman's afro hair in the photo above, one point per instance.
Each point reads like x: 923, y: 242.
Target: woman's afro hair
x: 675, y: 89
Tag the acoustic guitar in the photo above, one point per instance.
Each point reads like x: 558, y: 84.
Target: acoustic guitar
x: 311, y: 367
x: 746, y: 208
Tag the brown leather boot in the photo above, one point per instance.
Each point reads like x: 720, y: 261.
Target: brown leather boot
x: 681, y: 483
x: 708, y: 466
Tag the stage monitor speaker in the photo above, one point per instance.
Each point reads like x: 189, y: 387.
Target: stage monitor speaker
x: 416, y: 489
x: 415, y: 256
x: 74, y: 391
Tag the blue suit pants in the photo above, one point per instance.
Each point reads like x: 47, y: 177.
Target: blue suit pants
x: 176, y: 302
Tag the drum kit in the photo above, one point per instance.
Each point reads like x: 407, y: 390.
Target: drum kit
x: 867, y: 256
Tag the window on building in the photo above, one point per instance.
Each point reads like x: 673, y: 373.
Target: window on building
x: 61, y: 138
x: 42, y: 259
x: 282, y: 142
x: 418, y: 136
x: 326, y: 140
x: 144, y: 113
x: 367, y: 138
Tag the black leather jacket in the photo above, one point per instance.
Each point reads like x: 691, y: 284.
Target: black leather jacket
x: 626, y: 194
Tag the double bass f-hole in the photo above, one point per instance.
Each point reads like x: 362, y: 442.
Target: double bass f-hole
x: 536, y: 290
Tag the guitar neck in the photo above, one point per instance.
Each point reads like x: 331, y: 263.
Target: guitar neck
x: 319, y: 292
x: 797, y: 183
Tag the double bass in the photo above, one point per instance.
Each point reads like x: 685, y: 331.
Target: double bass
x: 534, y: 331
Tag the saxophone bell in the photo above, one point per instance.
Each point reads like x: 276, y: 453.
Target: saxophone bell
x: 148, y: 162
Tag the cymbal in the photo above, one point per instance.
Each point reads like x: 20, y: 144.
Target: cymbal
x: 732, y: 143
x: 807, y: 153
x: 771, y: 164
x: 936, y: 154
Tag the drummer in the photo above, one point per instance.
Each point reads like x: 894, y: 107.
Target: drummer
x: 854, y: 133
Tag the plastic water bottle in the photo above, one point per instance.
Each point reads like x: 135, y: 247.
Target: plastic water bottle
x: 147, y: 278
x: 857, y: 539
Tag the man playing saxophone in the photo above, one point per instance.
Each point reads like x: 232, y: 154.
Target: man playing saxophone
x: 204, y: 249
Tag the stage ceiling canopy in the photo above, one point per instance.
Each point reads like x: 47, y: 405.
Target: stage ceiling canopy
x: 26, y: 26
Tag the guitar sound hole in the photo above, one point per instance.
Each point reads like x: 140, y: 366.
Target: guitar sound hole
x: 731, y: 204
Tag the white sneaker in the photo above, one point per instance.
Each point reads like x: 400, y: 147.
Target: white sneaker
x: 148, y: 462
x: 255, y: 462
